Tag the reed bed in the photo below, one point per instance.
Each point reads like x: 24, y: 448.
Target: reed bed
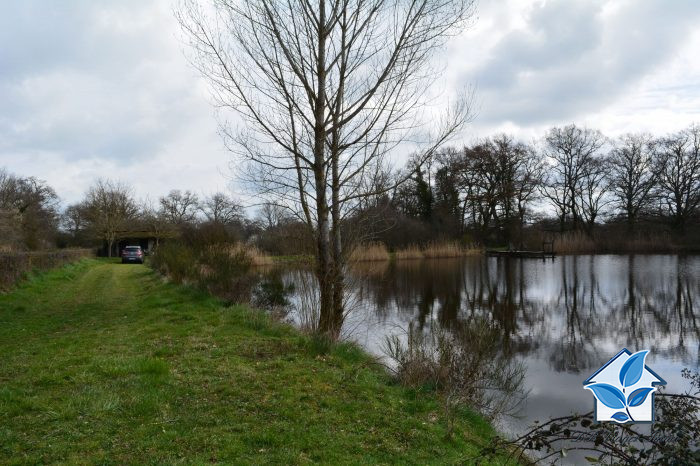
x: 255, y: 255
x: 574, y: 243
x: 580, y: 243
x: 449, y: 249
x: 411, y: 252
x: 379, y: 252
x: 369, y: 252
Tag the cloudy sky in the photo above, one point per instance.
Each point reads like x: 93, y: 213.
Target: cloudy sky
x: 102, y: 88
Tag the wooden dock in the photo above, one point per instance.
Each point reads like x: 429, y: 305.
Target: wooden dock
x: 520, y: 254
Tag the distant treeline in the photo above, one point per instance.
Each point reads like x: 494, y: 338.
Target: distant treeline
x: 574, y: 185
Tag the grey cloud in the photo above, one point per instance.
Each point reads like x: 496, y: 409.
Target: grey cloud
x: 89, y: 79
x: 574, y: 56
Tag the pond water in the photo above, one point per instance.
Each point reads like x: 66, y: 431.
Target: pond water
x: 560, y: 318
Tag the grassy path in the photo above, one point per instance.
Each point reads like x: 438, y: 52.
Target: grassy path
x: 105, y: 363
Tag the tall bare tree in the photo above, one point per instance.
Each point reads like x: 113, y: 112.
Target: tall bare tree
x: 220, y: 208
x: 571, y: 152
x: 109, y: 207
x: 632, y: 175
x: 678, y: 169
x: 180, y: 207
x: 594, y: 192
x: 325, y: 90
x: 28, y: 211
x: 272, y: 215
x: 155, y: 220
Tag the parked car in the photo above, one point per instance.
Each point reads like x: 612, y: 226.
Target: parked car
x: 132, y: 254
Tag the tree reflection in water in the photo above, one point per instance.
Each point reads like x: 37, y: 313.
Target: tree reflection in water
x: 562, y: 318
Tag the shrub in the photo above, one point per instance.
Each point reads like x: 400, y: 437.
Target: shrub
x: 14, y: 266
x: 218, y: 268
x: 225, y: 272
x: 465, y: 364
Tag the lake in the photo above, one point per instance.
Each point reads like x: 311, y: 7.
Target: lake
x: 560, y: 318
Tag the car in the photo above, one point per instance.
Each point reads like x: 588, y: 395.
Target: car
x: 131, y: 254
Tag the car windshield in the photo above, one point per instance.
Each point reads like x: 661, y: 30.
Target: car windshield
x: 133, y: 248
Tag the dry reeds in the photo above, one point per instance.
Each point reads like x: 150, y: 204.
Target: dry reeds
x: 379, y: 252
x: 449, y: 249
x: 574, y: 243
x: 411, y: 252
x: 369, y: 252
x: 580, y: 243
x: 255, y: 255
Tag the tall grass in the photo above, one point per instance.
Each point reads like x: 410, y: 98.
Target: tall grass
x: 369, y: 252
x: 411, y: 252
x: 580, y: 243
x: 449, y: 249
x: 14, y: 266
x: 436, y: 250
x: 574, y: 243
x: 254, y: 255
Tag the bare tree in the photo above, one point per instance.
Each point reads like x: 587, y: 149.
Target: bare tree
x: 632, y: 175
x: 570, y: 152
x: 678, y: 169
x: 594, y: 190
x: 272, y: 215
x: 28, y: 211
x: 325, y: 91
x: 527, y: 185
x: 220, y: 208
x: 155, y: 220
x: 74, y: 219
x: 180, y: 207
x: 109, y: 207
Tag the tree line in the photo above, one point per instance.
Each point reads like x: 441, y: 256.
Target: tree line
x: 490, y: 192
x: 573, y: 179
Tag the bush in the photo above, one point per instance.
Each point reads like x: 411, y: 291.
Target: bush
x: 464, y: 364
x: 218, y: 268
x: 14, y: 266
x: 175, y: 260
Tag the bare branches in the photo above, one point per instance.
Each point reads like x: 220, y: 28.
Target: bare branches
x: 632, y: 175
x: 678, y: 174
x: 180, y: 207
x: 109, y: 206
x: 324, y: 90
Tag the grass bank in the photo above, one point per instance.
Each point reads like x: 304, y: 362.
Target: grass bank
x: 107, y: 363
x: 16, y: 266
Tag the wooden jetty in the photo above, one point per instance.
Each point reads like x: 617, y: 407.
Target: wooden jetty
x: 546, y: 252
x: 520, y: 254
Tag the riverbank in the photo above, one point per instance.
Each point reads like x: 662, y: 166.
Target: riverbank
x: 104, y: 362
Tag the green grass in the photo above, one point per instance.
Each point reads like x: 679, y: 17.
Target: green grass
x: 106, y: 363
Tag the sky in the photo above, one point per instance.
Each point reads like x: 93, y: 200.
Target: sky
x: 94, y: 89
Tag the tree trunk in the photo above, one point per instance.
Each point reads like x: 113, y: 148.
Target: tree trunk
x: 324, y: 266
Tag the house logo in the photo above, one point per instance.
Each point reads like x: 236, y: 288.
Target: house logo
x: 624, y: 389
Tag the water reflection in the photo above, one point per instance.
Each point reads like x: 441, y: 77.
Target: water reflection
x: 562, y: 318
